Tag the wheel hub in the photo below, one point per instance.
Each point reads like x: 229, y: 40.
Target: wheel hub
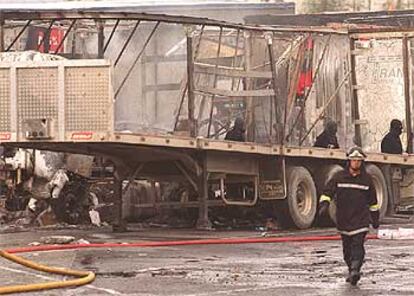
x: 303, y: 199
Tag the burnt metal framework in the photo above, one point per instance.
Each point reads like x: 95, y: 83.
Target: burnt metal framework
x: 235, y: 63
x: 259, y: 66
x: 250, y: 82
x: 224, y: 63
x: 215, y: 53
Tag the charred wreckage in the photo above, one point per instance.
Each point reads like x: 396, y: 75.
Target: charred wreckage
x: 155, y: 95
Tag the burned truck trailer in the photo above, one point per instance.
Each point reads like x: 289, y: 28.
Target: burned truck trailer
x: 156, y: 95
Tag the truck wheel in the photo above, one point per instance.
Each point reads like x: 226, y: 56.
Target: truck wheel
x: 380, y: 187
x: 299, y: 208
x: 324, y: 176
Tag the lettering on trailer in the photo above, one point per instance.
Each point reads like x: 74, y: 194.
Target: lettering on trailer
x: 386, y: 68
x: 82, y: 136
x: 271, y: 189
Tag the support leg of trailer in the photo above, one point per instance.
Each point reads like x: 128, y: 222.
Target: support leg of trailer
x: 203, y: 222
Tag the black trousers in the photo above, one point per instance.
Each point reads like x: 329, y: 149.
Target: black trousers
x: 353, y: 249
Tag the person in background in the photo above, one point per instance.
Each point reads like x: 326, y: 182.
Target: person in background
x: 237, y: 133
x: 328, y: 139
x: 391, y: 143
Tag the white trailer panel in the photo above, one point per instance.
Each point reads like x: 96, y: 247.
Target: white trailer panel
x: 56, y: 100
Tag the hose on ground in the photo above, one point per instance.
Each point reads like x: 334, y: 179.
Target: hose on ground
x: 87, y: 277
x: 222, y: 241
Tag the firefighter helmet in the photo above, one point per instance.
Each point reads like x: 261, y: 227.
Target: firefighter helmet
x: 356, y: 153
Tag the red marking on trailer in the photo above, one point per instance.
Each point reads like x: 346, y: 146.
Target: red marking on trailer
x: 82, y: 136
x: 5, y: 136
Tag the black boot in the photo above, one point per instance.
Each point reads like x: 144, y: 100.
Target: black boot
x: 348, y: 277
x: 355, y: 274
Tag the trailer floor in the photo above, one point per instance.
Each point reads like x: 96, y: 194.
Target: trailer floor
x: 311, y: 268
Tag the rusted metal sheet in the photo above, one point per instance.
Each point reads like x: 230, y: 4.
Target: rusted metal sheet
x: 241, y: 93
x: 152, y: 148
x: 219, y: 162
x: 80, y: 164
x: 230, y: 71
x: 180, y: 19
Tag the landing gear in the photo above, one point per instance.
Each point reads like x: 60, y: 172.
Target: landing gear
x: 203, y: 222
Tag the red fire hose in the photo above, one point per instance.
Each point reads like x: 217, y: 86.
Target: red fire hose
x: 223, y: 241
x: 85, y: 277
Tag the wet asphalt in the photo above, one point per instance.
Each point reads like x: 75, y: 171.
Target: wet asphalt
x: 298, y: 268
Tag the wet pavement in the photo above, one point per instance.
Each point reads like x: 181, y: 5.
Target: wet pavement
x: 299, y: 268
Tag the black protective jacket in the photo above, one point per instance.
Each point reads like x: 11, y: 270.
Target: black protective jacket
x: 356, y: 201
x: 326, y: 140
x: 235, y: 134
x: 391, y: 143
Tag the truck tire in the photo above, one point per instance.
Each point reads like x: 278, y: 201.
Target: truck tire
x: 299, y: 207
x: 323, y: 177
x: 380, y: 187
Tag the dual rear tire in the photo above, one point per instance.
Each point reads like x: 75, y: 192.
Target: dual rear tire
x: 299, y: 208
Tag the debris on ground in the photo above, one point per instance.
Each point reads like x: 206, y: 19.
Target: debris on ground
x: 400, y: 233
x: 60, y: 240
x: 46, y: 217
x: 82, y: 242
x: 62, y: 197
x: 168, y: 272
x: 57, y: 240
x: 94, y: 216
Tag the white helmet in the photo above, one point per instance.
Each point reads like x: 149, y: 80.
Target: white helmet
x: 356, y: 153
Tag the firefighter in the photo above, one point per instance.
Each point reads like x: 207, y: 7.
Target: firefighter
x: 328, y: 139
x: 357, y: 207
x: 391, y: 143
x: 237, y: 132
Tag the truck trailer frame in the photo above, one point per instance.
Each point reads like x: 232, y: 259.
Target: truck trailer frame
x: 284, y: 81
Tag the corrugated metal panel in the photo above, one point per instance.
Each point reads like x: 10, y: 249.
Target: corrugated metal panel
x: 37, y: 94
x: 5, y: 100
x: 87, y: 99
